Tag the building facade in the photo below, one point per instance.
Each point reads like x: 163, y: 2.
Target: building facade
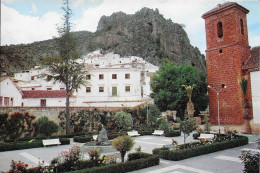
x: 112, y: 81
x: 227, y: 51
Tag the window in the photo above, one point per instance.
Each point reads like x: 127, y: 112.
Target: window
x: 88, y: 77
x: 22, y: 104
x: 88, y: 89
x: 242, y: 26
x: 114, y: 91
x: 142, y: 91
x: 220, y: 50
x: 32, y: 77
x: 1, y: 101
x: 6, y: 101
x: 43, y: 102
x: 49, y: 88
x: 101, y: 89
x: 127, y: 88
x: 127, y: 76
x: 62, y: 88
x: 114, y: 76
x: 101, y: 76
x: 33, y: 88
x: 220, y: 29
x: 12, y: 101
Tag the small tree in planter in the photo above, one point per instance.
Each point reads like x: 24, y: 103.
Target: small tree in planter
x: 123, y: 144
x: 190, y: 105
x: 187, y: 126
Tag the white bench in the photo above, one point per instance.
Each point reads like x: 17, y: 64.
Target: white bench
x: 51, y: 142
x: 133, y: 133
x: 206, y: 136
x: 95, y: 137
x: 158, y: 132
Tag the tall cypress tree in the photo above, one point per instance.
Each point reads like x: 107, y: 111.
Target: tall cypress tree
x: 64, y: 65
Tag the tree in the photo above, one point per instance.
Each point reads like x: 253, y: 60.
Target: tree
x: 64, y: 66
x: 123, y: 120
x: 245, y: 105
x: 48, y: 128
x: 123, y: 144
x: 168, y: 93
x: 153, y: 114
x: 187, y: 126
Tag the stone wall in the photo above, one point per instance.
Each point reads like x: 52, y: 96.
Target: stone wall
x: 51, y: 112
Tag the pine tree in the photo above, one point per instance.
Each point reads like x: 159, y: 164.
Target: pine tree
x: 64, y: 66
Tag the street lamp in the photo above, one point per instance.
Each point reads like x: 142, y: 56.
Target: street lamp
x: 218, y: 91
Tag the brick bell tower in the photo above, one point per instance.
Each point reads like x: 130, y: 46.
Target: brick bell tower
x: 227, y: 51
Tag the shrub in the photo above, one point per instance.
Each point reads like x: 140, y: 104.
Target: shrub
x: 67, y: 161
x: 172, y: 133
x: 137, y: 155
x: 48, y: 128
x: 123, y: 120
x: 181, y: 154
x: 129, y: 166
x: 251, y: 162
x: 94, y: 153
x: 123, y: 144
x: 82, y: 139
x: 19, y: 145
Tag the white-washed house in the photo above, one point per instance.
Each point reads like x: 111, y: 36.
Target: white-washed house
x: 113, y: 81
x: 10, y: 94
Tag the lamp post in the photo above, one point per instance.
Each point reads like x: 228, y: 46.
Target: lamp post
x: 218, y: 91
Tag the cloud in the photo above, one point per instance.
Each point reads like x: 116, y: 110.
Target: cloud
x: 17, y: 28
x: 34, y: 9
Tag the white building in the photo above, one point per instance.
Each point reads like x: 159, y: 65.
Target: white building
x: 253, y: 67
x: 113, y: 81
x: 10, y: 94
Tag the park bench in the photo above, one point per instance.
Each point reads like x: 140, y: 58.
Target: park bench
x: 133, y: 133
x: 95, y: 137
x: 207, y: 137
x: 51, y: 142
x: 158, y: 132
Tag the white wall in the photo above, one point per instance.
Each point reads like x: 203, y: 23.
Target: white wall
x: 49, y: 102
x: 8, y: 89
x: 255, y: 84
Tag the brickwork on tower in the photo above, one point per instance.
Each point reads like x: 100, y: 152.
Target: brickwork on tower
x: 227, y: 51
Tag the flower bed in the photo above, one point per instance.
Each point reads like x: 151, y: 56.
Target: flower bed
x: 180, y: 154
x: 135, y: 164
x: 27, y: 144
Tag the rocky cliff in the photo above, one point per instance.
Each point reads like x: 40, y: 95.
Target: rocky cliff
x: 145, y: 34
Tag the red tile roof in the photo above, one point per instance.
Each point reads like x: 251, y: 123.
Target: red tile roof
x: 253, y: 63
x: 222, y: 7
x: 43, y: 93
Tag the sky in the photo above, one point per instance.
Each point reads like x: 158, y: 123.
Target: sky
x: 26, y: 21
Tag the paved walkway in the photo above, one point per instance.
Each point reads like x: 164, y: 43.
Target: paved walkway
x: 223, y: 161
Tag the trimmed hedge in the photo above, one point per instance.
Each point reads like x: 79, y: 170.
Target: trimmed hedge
x: 199, y: 150
x: 137, y: 155
x: 172, y: 133
x: 25, y: 145
x: 128, y: 166
x: 82, y: 139
x: 115, y: 135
